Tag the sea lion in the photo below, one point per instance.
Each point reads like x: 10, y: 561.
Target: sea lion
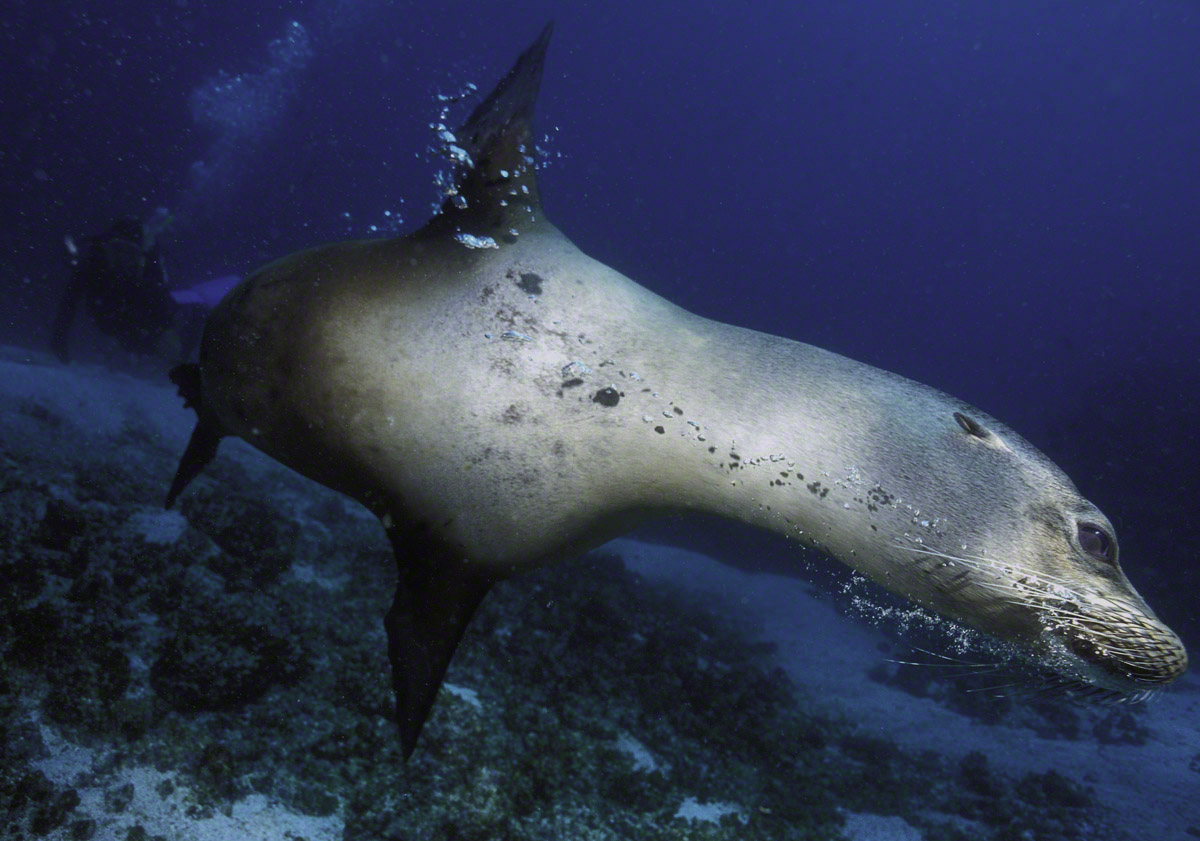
x: 502, y: 401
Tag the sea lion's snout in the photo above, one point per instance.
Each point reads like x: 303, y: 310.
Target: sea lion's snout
x: 1117, y: 650
x: 1087, y: 635
x: 1142, y: 651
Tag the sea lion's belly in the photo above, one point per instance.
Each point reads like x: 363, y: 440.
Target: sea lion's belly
x: 464, y: 399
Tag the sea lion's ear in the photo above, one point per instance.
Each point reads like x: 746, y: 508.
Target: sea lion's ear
x: 496, y: 186
x: 971, y: 426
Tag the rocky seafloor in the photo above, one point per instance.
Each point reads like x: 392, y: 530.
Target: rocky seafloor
x: 220, y: 671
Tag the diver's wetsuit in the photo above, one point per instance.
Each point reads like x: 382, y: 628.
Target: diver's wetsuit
x: 125, y: 290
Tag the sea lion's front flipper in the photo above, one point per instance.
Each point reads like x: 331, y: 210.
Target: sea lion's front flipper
x: 206, y: 435
x: 496, y: 187
x: 436, y: 596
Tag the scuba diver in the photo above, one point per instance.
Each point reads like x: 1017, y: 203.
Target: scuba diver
x: 119, y: 274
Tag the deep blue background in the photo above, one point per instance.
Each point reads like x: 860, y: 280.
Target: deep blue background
x: 998, y: 199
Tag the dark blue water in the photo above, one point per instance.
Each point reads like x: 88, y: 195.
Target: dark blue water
x: 998, y: 199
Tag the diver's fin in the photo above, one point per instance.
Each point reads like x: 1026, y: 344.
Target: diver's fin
x: 206, y: 435
x: 499, y: 184
x: 436, y: 597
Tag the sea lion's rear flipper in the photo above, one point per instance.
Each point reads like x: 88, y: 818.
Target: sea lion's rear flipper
x: 436, y: 597
x: 206, y: 435
x: 496, y: 186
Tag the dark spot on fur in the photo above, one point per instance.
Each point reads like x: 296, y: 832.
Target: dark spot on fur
x: 735, y: 457
x: 678, y: 410
x: 571, y: 383
x: 659, y: 430
x: 607, y: 397
x: 645, y: 390
x: 712, y: 449
x: 530, y: 283
x: 485, y: 293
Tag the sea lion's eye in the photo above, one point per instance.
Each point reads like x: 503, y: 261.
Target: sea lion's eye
x: 1096, y: 542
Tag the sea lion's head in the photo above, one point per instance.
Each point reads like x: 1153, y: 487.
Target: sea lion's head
x: 1004, y: 542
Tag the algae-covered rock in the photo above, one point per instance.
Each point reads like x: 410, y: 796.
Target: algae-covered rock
x: 221, y: 660
x: 258, y: 542
x: 86, y: 689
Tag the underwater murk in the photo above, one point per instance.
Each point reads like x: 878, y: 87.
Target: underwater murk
x: 991, y: 200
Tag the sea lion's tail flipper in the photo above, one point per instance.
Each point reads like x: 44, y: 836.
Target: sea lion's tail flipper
x: 206, y: 435
x: 435, y: 599
x: 498, y: 180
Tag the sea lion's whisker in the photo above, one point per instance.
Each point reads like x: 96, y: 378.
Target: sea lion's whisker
x: 993, y: 688
x: 1088, y: 627
x: 977, y: 673
x: 953, y: 660
x: 1068, y: 615
x: 1020, y: 575
x: 965, y: 670
x: 1025, y: 581
x: 934, y: 665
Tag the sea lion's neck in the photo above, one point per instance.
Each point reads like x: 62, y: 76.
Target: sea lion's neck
x: 792, y: 459
x: 725, y: 420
